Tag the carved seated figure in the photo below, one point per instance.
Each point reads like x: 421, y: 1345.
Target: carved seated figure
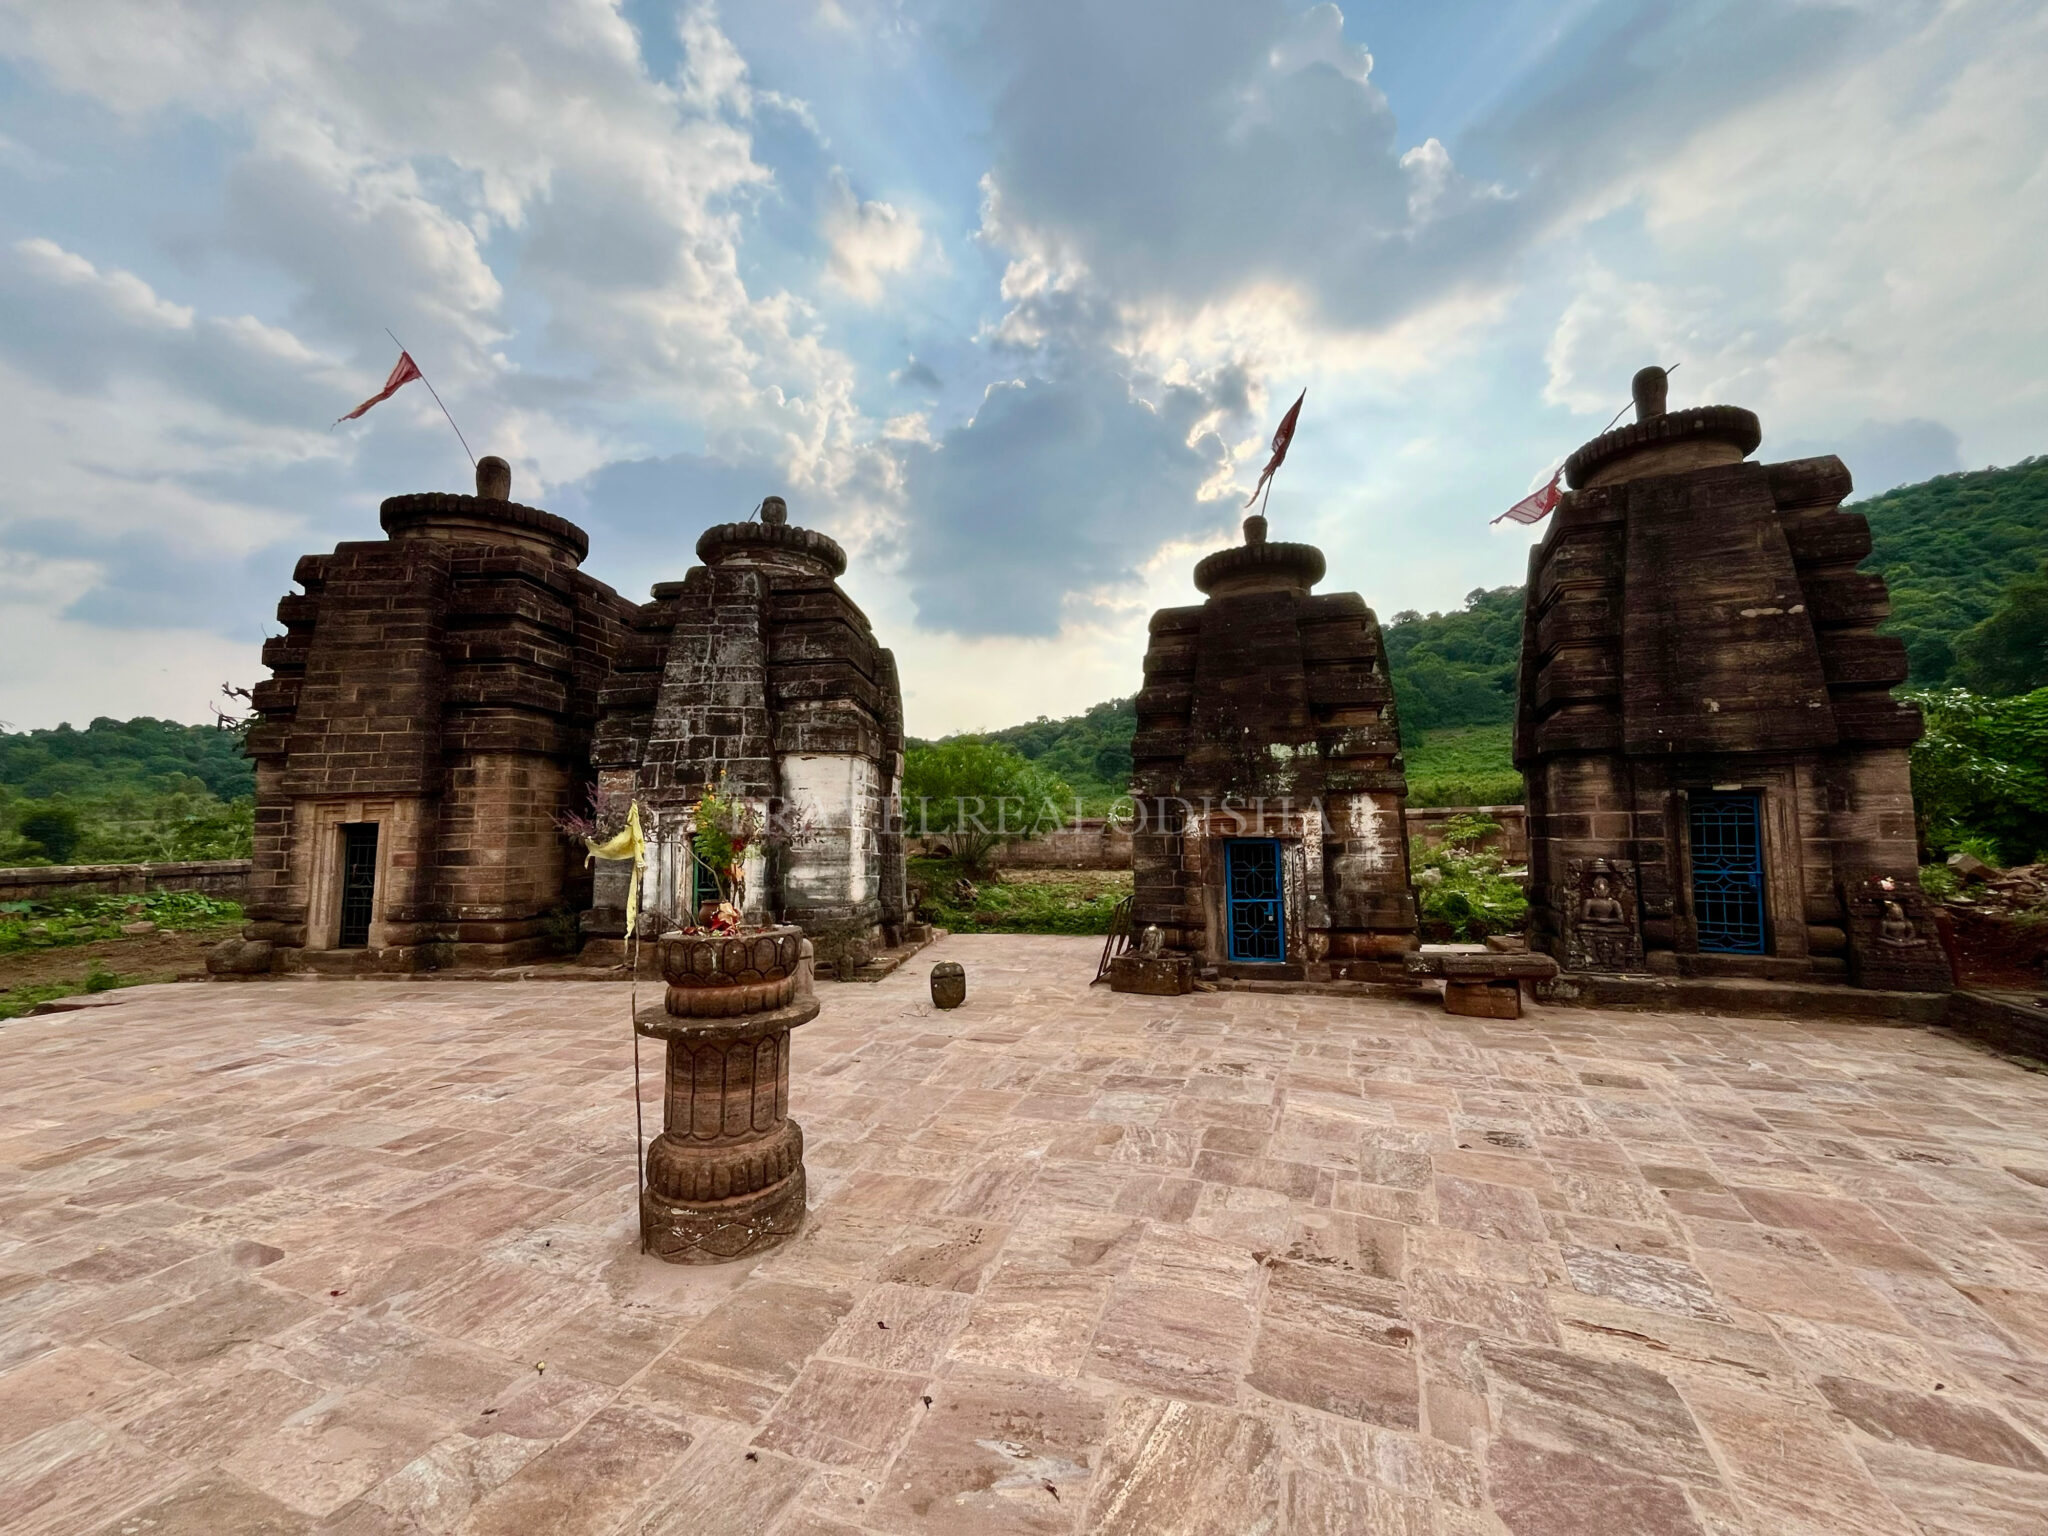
x: 1897, y: 929
x: 1601, y: 905
x: 1151, y: 941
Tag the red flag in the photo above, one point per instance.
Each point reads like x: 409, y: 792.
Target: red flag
x: 403, y: 372
x: 1282, y: 436
x: 1534, y: 507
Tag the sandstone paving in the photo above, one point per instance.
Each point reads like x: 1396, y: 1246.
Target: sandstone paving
x: 361, y: 1257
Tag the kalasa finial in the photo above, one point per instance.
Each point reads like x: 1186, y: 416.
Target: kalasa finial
x: 1651, y: 388
x: 493, y: 478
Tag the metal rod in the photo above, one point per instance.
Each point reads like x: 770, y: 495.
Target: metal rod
x: 639, y: 1122
x: 436, y: 394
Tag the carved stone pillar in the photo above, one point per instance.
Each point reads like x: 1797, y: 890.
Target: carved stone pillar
x: 725, y: 1178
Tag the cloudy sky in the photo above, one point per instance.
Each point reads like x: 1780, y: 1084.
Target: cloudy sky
x: 1004, y: 296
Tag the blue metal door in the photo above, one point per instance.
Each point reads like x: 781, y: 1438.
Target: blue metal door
x: 1727, y: 873
x: 1251, y: 871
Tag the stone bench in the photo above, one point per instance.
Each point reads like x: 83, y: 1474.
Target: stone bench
x: 1480, y: 983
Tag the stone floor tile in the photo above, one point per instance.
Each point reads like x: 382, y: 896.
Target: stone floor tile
x: 67, y: 1383
x: 212, y: 1504
x: 1033, y: 1322
x: 1789, y: 1467
x: 1493, y: 1210
x: 1337, y: 1374
x: 1543, y: 1492
x: 219, y: 1413
x: 718, y: 1487
x: 588, y: 1483
x: 220, y: 1318
x: 899, y: 1328
x: 435, y: 1491
x: 1640, y: 1280
x: 603, y: 1344
x: 74, y: 1476
x: 1608, y: 1409
x: 848, y: 1416
x: 766, y: 1331
x: 328, y: 1453
x: 1174, y: 1340
x: 1185, y: 1468
x: 1932, y: 1421
x: 996, y: 1454
x: 949, y: 1256
x: 1943, y: 1495
x: 1822, y: 1292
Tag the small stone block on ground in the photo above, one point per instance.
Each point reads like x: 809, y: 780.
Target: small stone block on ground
x: 1483, y: 999
x: 1152, y: 976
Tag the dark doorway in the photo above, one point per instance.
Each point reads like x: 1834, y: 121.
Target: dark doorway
x: 1252, y: 879
x: 358, y: 882
x: 1727, y: 873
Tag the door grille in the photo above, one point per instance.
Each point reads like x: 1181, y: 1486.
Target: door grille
x: 1252, y: 873
x: 358, y: 882
x: 1727, y: 874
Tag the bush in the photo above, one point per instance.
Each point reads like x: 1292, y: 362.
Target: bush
x: 1980, y: 774
x: 1460, y: 887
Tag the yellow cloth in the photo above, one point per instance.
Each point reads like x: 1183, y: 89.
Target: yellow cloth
x: 625, y: 844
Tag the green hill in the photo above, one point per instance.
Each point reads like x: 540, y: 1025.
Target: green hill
x: 124, y: 791
x: 1951, y: 549
x: 141, y: 752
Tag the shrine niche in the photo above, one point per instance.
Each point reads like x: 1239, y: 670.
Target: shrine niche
x: 1717, y: 771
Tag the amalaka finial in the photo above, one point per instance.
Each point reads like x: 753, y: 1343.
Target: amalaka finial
x: 1651, y: 387
x: 774, y: 510
x: 1255, y: 529
x: 493, y: 478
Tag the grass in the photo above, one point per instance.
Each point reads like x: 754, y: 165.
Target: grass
x: 33, y: 925
x: 1021, y: 900
x: 1465, y: 765
x: 17, y: 1001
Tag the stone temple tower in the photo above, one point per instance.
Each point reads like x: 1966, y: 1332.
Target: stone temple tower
x: 755, y: 672
x: 428, y: 718
x: 1273, y: 842
x: 1717, y: 772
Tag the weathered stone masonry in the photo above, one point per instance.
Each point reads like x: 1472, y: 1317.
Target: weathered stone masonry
x: 1267, y: 717
x: 758, y: 674
x: 1717, y: 773
x: 438, y: 686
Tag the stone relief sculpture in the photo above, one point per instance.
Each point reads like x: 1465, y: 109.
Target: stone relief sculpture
x: 1601, y: 926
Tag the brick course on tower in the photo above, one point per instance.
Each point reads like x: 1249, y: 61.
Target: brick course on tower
x: 427, y: 720
x: 1717, y: 773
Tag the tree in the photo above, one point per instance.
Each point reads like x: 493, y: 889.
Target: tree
x: 979, y: 794
x: 2008, y: 652
x: 53, y: 828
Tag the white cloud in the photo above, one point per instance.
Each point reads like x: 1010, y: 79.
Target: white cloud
x: 868, y: 242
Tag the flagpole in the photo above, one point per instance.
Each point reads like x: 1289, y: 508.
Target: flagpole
x: 436, y: 394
